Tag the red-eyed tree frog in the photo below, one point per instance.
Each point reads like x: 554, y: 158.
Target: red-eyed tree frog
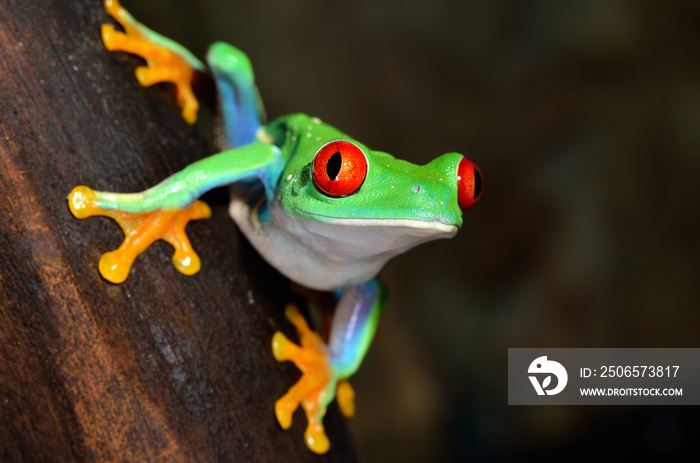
x: 322, y: 208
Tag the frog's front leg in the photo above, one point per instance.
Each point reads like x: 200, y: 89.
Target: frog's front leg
x: 162, y: 212
x: 326, y: 367
x: 239, y: 102
x: 140, y: 231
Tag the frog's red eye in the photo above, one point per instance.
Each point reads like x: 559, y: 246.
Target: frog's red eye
x: 468, y: 184
x: 339, y: 168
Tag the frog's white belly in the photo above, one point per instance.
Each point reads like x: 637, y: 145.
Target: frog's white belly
x: 330, y: 256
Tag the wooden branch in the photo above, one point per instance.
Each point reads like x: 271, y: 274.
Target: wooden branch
x: 163, y: 367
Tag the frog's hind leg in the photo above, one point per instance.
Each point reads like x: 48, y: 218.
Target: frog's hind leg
x: 326, y: 367
x: 167, y: 61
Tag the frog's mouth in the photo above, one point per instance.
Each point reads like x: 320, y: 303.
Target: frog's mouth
x: 387, y: 230
x: 430, y: 227
x: 434, y: 226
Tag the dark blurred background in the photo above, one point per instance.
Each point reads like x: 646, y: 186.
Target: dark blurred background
x: 584, y: 117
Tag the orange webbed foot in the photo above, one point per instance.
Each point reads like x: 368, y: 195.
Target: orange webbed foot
x: 140, y: 231
x: 165, y: 59
x: 317, y: 386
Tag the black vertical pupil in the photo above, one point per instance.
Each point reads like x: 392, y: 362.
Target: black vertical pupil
x: 477, y: 184
x: 333, y: 165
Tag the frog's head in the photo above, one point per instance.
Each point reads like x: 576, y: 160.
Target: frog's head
x: 333, y: 179
x: 346, y: 180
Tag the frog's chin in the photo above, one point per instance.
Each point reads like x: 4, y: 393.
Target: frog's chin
x: 371, y: 236
x: 329, y: 254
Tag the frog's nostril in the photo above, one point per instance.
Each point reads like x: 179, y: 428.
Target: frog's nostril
x: 469, y: 183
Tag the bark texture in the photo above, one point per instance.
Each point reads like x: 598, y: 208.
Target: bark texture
x: 163, y: 367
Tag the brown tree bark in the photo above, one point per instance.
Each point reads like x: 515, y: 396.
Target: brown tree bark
x: 163, y: 367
